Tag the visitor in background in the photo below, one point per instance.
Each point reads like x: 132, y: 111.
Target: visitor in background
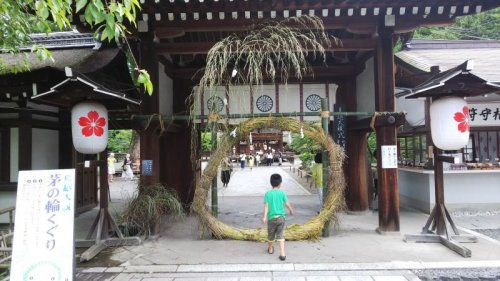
x: 251, y: 161
x: 243, y: 157
x: 225, y: 171
x: 317, y: 175
x: 127, y: 168
x: 111, y: 166
x: 257, y: 159
x: 269, y: 158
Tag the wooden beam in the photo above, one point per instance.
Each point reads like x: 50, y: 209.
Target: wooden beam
x: 266, y: 6
x: 318, y: 71
x: 354, y: 24
x: 384, y: 120
x: 180, y: 48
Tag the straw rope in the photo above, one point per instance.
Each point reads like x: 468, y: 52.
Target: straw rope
x: 311, y: 230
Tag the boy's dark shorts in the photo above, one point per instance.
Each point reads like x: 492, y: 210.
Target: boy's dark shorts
x: 276, y: 228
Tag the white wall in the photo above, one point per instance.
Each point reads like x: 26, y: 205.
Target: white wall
x: 165, y: 86
x: 475, y: 189
x: 45, y: 152
x: 365, y: 88
x: 240, y: 102
x: 14, y: 154
x: 7, y: 199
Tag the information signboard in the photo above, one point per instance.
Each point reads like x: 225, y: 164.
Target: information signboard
x: 43, y: 247
x: 389, y: 156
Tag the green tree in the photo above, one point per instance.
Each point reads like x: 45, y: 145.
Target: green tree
x: 119, y: 140
x: 20, y: 18
x: 485, y: 25
x: 206, y: 141
x: 306, y: 148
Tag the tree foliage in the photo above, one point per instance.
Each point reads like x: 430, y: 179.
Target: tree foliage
x: 119, y: 140
x: 206, y: 141
x: 20, y: 18
x: 306, y: 148
x: 485, y: 25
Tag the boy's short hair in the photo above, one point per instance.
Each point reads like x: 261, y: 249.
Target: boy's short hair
x: 276, y: 180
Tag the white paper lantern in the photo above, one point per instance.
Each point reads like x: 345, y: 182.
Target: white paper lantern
x: 450, y: 123
x: 89, y: 127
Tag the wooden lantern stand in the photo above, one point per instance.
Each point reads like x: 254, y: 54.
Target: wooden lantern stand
x: 103, y: 223
x: 440, y: 217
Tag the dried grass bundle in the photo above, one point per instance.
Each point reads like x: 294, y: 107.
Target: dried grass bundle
x: 144, y: 210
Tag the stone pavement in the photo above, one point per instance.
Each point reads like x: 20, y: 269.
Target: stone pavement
x: 354, y: 251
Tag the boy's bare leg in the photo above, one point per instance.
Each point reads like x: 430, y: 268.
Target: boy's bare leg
x: 269, y: 246
x: 282, y: 247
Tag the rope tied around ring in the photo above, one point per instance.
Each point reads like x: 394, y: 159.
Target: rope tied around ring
x: 374, y: 118
x: 325, y: 114
x: 213, y: 117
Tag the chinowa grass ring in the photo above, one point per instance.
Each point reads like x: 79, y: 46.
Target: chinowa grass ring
x: 310, y: 230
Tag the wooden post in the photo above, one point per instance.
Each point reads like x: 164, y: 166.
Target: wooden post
x: 150, y: 105
x: 386, y: 135
x: 357, y: 173
x: 25, y: 139
x: 325, y: 119
x: 435, y: 230
x: 215, y: 203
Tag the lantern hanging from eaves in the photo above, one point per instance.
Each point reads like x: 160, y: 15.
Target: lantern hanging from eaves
x: 450, y: 123
x: 89, y: 127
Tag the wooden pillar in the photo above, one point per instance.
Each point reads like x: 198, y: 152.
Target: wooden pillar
x: 386, y: 135
x: 355, y: 168
x: 325, y: 120
x: 150, y: 147
x: 25, y: 139
x: 357, y: 173
x: 215, y: 198
x: 65, y: 142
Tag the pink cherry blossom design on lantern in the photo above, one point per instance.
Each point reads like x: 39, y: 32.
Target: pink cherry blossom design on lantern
x: 463, y: 119
x: 92, y: 124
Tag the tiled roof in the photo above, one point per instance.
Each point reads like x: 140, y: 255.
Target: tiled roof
x: 447, y: 54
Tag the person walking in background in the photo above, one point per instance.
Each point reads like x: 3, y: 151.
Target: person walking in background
x: 225, y: 171
x: 127, y: 168
x: 257, y: 159
x: 275, y: 201
x: 317, y: 175
x: 111, y: 166
x: 251, y: 161
x: 243, y: 158
x: 269, y: 158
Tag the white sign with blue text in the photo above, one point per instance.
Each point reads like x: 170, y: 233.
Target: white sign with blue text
x: 43, y: 247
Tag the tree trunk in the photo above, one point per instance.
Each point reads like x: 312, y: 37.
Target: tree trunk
x: 135, y: 146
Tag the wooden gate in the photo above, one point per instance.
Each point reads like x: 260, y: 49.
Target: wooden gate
x: 87, y: 183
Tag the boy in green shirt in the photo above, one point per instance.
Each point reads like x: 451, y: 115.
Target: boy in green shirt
x: 275, y: 202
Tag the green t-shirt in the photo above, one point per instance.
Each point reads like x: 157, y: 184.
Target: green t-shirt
x: 276, y: 199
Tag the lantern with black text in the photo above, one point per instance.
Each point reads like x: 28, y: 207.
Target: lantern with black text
x: 450, y: 123
x: 89, y: 127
